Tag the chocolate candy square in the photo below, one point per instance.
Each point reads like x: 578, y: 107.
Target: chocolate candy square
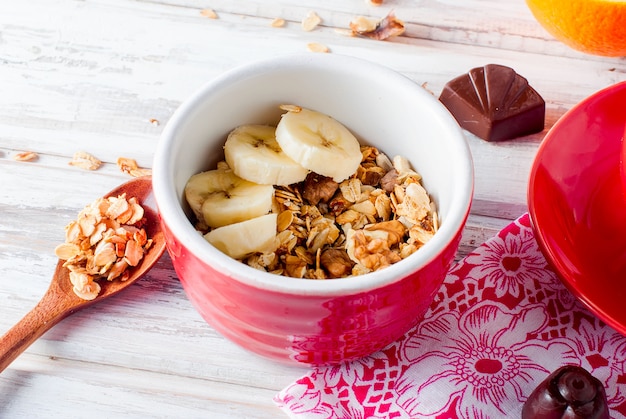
x: 494, y: 103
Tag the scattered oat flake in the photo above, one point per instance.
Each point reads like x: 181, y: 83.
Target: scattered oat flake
x: 129, y: 166
x: 126, y: 164
x: 140, y: 172
x: 345, y: 32
x: 389, y: 26
x: 279, y: 22
x: 290, y: 108
x: 154, y: 121
x: 317, y: 47
x: 311, y: 21
x: 26, y: 156
x: 362, y: 24
x: 210, y: 13
x: 86, y: 161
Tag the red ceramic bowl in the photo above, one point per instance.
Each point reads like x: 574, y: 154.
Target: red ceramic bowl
x: 577, y: 204
x: 300, y: 320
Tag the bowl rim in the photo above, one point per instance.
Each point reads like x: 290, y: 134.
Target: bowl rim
x: 536, y: 222
x: 174, y: 217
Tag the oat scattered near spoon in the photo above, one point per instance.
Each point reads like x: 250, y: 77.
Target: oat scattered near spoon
x: 85, y: 161
x: 130, y: 166
x: 26, y: 156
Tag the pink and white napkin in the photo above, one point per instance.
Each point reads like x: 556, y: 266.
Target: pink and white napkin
x: 501, y: 322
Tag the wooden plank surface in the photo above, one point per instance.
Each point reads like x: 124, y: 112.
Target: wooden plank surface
x: 105, y: 76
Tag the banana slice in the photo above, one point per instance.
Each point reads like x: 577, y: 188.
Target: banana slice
x: 220, y: 197
x: 319, y: 143
x: 241, y: 239
x: 254, y: 154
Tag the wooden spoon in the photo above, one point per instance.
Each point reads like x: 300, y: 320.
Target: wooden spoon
x: 59, y: 301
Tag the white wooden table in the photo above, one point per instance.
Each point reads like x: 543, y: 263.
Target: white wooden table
x: 104, y: 76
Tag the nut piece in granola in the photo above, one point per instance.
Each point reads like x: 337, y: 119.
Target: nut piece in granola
x: 104, y: 241
x: 318, y: 188
x: 373, y: 246
x: 336, y: 262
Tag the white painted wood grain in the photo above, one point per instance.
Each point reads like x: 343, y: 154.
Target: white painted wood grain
x: 92, y: 75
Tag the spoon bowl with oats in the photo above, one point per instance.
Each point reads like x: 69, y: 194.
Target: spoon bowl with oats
x: 112, y: 244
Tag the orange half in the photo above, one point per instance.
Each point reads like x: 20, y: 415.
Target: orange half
x: 592, y: 26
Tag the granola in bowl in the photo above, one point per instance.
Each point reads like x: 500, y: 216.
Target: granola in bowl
x: 325, y: 225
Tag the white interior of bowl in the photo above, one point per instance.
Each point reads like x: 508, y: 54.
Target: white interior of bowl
x: 380, y: 106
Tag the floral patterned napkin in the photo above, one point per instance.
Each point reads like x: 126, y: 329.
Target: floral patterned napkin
x: 500, y: 323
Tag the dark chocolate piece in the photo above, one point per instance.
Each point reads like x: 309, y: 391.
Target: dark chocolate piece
x: 494, y: 103
x: 570, y: 392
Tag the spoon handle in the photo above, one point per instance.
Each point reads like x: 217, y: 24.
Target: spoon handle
x: 49, y: 311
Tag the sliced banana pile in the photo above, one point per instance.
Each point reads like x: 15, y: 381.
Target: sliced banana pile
x: 235, y: 200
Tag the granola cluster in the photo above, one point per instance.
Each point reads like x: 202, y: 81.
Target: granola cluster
x: 104, y: 241
x: 377, y: 217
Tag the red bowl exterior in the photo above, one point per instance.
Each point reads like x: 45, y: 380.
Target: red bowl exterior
x: 308, y: 329
x: 577, y: 205
x: 622, y: 161
x: 307, y: 321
